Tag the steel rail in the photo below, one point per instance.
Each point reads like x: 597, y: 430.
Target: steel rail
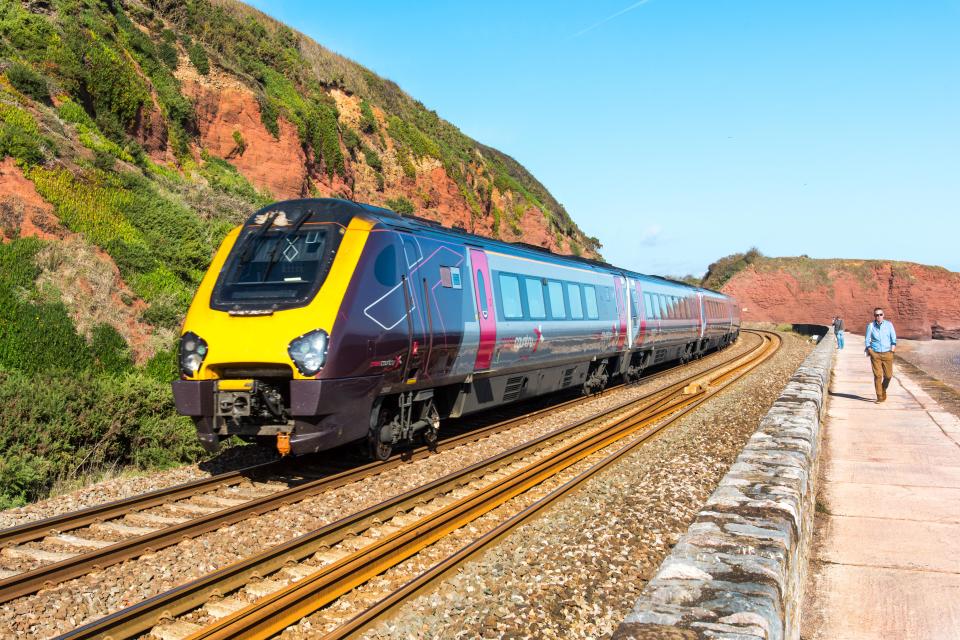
x: 276, y: 611
x: 387, y: 605
x: 37, y: 529
x: 49, y: 575
x: 142, y: 616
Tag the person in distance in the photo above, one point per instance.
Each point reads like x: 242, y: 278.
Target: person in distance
x: 881, y: 342
x: 838, y: 330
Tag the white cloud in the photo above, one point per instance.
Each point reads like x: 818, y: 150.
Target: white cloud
x: 651, y: 236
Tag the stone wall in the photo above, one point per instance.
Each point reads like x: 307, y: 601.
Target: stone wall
x: 738, y: 572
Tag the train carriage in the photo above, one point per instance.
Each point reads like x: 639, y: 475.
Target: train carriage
x: 323, y: 321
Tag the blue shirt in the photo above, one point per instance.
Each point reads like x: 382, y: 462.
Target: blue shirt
x: 881, y: 337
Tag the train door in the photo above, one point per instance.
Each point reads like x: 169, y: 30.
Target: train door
x: 701, y: 318
x: 638, y: 314
x: 486, y: 313
x: 418, y: 329
x: 622, y: 321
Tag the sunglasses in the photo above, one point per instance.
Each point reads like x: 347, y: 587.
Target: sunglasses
x: 878, y: 315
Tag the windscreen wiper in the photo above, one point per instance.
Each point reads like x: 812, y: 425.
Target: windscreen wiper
x: 253, y: 240
x: 275, y: 253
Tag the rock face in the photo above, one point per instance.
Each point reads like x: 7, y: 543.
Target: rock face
x: 921, y: 300
x: 225, y: 107
x: 89, y: 281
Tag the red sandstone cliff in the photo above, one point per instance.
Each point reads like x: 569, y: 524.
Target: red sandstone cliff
x: 921, y: 300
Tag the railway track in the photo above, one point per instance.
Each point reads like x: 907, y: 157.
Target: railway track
x: 264, y: 594
x: 47, y: 552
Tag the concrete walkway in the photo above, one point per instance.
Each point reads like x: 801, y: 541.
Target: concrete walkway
x: 885, y: 561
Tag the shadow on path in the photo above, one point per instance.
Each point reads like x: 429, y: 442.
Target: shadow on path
x: 850, y: 396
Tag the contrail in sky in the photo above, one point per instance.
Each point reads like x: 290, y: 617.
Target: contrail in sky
x: 609, y: 18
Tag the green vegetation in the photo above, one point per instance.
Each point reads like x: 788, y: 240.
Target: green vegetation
x: 198, y: 58
x: 28, y: 82
x: 368, y: 122
x: 65, y: 424
x: 167, y: 49
x: 719, y: 272
x: 20, y: 136
x: 70, y: 407
x: 372, y: 159
x: 35, y: 334
x: 401, y: 205
x: 224, y: 177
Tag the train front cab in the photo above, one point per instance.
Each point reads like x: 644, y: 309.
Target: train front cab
x: 260, y: 352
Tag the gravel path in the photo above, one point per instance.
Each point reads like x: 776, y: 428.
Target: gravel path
x: 576, y: 571
x: 76, y: 602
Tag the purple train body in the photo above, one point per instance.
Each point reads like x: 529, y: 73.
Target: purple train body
x: 433, y: 323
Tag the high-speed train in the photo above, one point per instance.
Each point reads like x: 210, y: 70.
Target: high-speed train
x: 324, y: 321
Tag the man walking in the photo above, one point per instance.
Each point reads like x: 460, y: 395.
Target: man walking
x: 838, y: 330
x: 881, y: 342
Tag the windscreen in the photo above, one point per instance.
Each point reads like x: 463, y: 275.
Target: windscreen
x: 278, y: 263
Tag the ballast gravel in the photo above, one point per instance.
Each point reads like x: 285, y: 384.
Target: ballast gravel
x: 134, y: 484
x: 76, y: 602
x: 575, y: 571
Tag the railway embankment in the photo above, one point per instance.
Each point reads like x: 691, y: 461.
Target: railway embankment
x: 739, y: 570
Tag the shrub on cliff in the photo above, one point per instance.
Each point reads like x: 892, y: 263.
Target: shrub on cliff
x: 719, y: 272
x: 28, y: 82
x: 401, y: 205
x: 198, y: 58
x: 64, y: 425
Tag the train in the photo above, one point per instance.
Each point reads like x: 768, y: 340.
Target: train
x: 322, y: 321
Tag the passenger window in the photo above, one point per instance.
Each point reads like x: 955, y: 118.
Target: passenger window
x: 558, y: 311
x: 482, y: 293
x: 663, y: 306
x: 634, y: 309
x: 590, y: 296
x: 576, y: 306
x: 535, y: 303
x: 510, y: 295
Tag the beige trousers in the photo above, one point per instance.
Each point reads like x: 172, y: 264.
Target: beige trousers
x: 882, y: 364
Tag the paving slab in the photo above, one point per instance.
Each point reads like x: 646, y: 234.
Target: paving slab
x: 892, y: 543
x: 889, y: 604
x: 932, y: 504
x: 886, y: 473
x: 885, y: 561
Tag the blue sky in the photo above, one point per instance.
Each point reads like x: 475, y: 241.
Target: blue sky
x: 679, y: 131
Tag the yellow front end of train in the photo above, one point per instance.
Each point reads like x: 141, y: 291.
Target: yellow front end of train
x: 255, y: 339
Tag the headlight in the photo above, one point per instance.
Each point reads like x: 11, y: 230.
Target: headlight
x: 309, y: 352
x: 193, y: 349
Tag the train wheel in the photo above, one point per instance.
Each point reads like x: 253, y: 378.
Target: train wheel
x: 379, y: 450
x: 376, y: 447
